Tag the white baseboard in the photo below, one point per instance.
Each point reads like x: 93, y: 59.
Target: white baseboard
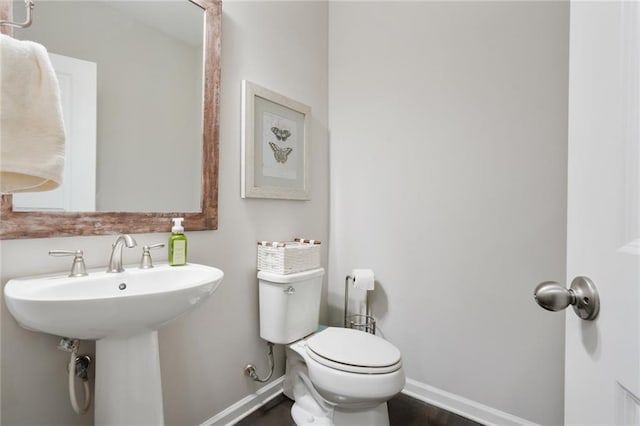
x: 448, y: 401
x: 246, y: 405
x: 465, y: 407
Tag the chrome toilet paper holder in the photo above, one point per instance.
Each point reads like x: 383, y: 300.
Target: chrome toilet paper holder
x: 360, y: 322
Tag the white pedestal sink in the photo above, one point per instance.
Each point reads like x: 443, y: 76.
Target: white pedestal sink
x: 122, y: 312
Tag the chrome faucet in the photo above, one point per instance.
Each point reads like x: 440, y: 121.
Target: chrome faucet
x: 115, y: 261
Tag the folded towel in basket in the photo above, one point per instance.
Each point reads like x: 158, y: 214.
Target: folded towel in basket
x: 31, y: 127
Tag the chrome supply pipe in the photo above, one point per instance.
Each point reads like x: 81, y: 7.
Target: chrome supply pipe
x: 250, y: 369
x: 78, y: 367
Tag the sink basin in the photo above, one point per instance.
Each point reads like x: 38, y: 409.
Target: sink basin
x: 109, y: 304
x: 122, y: 312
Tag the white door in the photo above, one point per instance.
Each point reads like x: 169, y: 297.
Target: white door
x: 78, y: 94
x: 602, y: 375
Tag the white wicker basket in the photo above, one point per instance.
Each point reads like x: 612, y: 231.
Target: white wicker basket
x: 288, y: 257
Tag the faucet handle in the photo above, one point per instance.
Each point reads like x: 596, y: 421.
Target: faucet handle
x: 78, y: 268
x: 146, y: 262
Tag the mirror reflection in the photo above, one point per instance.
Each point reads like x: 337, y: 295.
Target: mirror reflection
x: 130, y: 75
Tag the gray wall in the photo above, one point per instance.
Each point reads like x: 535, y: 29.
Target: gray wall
x: 448, y: 178
x: 202, y: 354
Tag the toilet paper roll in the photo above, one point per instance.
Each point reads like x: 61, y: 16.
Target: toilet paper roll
x: 363, y: 279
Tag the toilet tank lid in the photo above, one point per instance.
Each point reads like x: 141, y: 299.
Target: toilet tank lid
x: 290, y: 278
x: 354, y: 347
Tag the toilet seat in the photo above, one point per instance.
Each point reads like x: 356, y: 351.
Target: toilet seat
x: 353, y: 351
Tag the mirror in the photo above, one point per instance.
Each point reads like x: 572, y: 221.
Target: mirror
x: 136, y: 123
x: 193, y: 137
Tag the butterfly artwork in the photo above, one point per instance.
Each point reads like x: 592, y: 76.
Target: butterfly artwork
x: 281, y: 134
x: 281, y: 154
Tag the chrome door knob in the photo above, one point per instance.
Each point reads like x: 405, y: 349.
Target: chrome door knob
x: 552, y: 296
x: 582, y: 294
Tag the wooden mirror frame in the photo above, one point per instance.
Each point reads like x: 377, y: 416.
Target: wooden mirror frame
x: 16, y: 225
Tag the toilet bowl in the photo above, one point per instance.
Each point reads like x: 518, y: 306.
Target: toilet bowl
x: 349, y: 374
x: 336, y: 376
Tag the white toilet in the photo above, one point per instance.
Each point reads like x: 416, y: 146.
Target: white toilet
x: 337, y: 376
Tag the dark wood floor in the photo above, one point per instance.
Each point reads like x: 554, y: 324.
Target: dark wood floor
x: 403, y: 411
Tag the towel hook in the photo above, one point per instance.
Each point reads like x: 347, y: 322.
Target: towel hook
x: 28, y: 4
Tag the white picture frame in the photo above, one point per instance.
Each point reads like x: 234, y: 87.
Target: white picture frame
x: 275, y: 145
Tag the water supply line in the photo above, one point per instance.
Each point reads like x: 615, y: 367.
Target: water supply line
x: 78, y: 366
x: 250, y: 369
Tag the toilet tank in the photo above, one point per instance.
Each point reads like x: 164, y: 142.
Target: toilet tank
x: 289, y: 305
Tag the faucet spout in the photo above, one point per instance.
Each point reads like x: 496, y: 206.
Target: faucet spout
x: 115, y: 261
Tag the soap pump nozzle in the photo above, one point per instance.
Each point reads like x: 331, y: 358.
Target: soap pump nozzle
x: 177, y: 225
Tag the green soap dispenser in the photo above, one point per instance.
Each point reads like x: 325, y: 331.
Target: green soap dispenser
x: 177, y: 244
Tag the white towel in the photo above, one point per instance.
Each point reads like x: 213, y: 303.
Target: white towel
x: 31, y: 127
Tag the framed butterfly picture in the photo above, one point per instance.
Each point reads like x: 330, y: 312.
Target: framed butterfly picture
x: 275, y: 154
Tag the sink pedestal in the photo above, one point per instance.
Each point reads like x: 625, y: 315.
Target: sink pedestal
x: 128, y: 391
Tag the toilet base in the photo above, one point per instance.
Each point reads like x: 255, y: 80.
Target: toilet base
x: 376, y: 416
x: 310, y: 408
x: 302, y: 417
